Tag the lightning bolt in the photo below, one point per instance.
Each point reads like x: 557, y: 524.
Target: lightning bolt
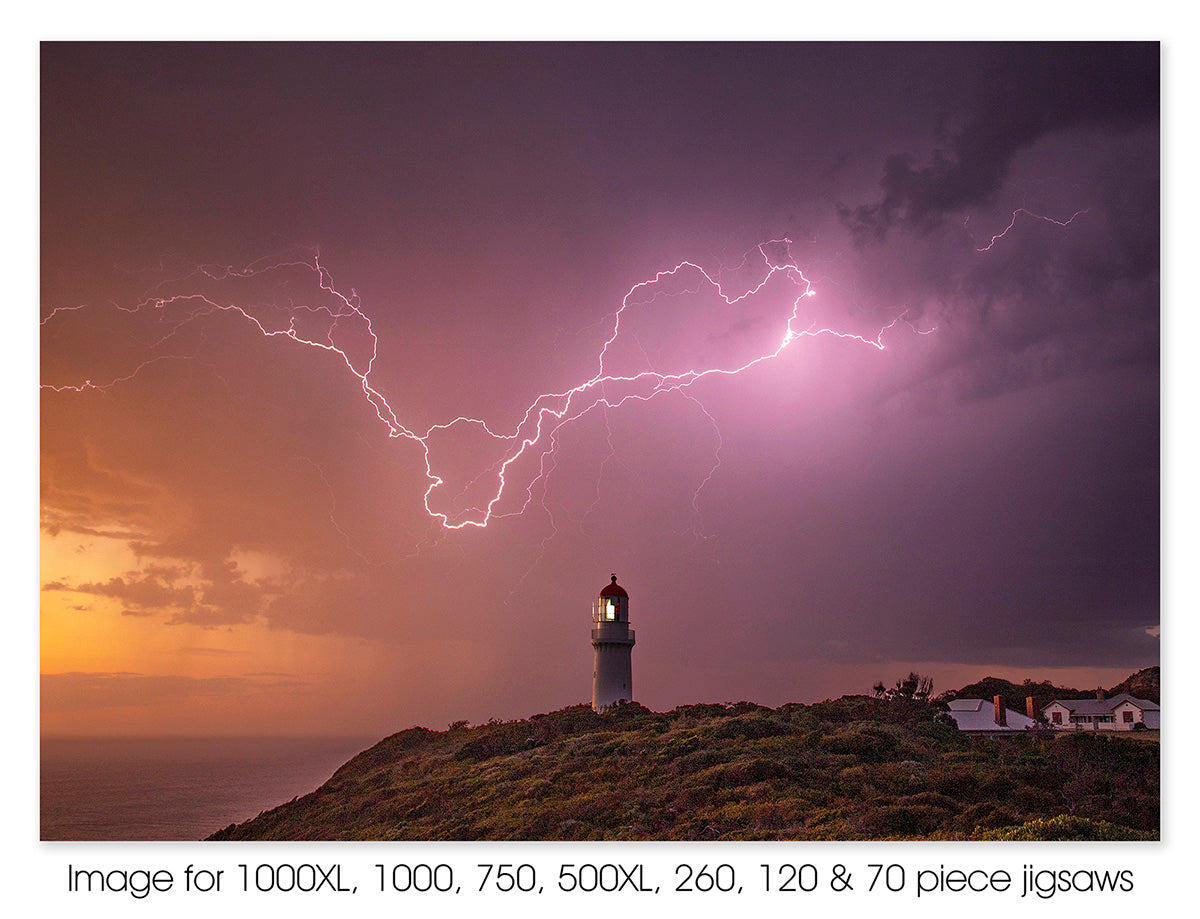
x: 1028, y: 213
x: 328, y: 324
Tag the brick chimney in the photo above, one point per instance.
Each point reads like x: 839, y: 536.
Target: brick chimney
x: 1029, y: 710
x: 1099, y: 694
x: 1001, y: 716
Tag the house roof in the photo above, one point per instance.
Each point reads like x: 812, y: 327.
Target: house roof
x: 1102, y: 706
x: 980, y: 715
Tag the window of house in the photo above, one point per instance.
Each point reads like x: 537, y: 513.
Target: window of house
x: 1056, y: 717
x: 1127, y: 716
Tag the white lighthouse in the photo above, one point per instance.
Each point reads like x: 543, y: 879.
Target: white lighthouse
x: 612, y: 638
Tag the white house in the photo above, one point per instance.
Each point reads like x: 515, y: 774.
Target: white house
x: 980, y: 715
x: 1120, y: 713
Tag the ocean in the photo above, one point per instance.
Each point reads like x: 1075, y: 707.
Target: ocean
x: 176, y: 788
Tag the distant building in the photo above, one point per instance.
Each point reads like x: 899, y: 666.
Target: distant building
x: 981, y: 716
x: 613, y: 640
x: 1120, y: 713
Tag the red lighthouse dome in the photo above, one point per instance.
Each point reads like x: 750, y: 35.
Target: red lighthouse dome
x: 614, y: 589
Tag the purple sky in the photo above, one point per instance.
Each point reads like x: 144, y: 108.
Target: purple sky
x: 234, y: 530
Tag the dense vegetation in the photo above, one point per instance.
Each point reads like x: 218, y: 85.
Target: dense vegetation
x: 853, y: 768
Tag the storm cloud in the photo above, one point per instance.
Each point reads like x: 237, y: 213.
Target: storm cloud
x: 951, y: 461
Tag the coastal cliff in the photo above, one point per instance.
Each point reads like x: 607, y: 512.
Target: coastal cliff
x: 852, y: 768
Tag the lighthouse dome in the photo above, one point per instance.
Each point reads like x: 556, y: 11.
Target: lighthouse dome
x: 614, y: 589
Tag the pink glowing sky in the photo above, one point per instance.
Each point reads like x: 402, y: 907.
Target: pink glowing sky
x: 239, y: 533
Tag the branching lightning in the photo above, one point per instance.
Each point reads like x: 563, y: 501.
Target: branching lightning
x: 535, y: 435
x: 1028, y: 213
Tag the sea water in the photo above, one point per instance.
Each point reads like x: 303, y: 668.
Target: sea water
x: 176, y: 788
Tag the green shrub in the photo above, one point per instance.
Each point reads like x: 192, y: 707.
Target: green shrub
x: 750, y: 727
x: 900, y: 820
x: 1065, y: 828
x: 867, y: 742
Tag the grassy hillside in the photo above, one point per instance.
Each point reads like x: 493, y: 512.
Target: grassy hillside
x: 1141, y: 685
x: 854, y: 768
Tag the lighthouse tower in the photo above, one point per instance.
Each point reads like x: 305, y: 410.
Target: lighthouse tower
x: 612, y: 638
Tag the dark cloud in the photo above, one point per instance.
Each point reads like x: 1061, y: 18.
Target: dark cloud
x: 221, y: 595
x: 1030, y: 92
x: 1031, y: 238
x: 145, y: 591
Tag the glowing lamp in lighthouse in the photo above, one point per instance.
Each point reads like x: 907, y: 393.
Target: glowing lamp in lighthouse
x: 612, y: 640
